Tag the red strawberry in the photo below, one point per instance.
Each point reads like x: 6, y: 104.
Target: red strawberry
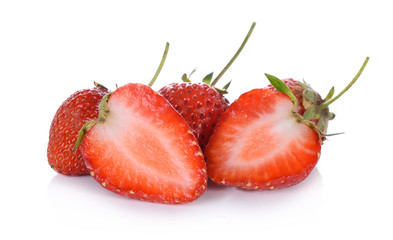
x: 201, y: 104
x: 79, y: 108
x: 270, y: 138
x: 140, y: 147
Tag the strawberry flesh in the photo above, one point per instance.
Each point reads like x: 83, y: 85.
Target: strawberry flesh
x: 145, y: 150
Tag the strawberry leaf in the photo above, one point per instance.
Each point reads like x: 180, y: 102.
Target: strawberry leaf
x: 329, y: 95
x: 208, y: 78
x: 331, y: 116
x: 281, y: 87
x: 185, y: 78
x: 99, y: 85
x: 192, y: 72
x: 312, y: 113
x: 221, y: 91
x: 227, y: 86
x: 310, y: 96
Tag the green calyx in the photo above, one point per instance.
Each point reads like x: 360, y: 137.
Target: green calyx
x: 208, y: 79
x: 102, y: 115
x: 317, y: 114
x: 98, y: 85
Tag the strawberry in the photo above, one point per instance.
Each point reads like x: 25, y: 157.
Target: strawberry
x: 79, y: 108
x: 142, y: 148
x: 201, y: 104
x: 271, y: 138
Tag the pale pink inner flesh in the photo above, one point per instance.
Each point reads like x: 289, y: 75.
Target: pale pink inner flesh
x: 268, y: 136
x: 143, y: 148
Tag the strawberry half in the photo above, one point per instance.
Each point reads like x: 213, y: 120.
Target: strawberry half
x: 140, y: 147
x: 270, y: 138
x: 201, y: 104
x: 79, y: 108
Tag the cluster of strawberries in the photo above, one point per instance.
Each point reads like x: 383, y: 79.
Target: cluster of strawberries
x: 163, y: 146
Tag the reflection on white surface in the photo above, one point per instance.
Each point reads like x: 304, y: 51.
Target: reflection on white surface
x: 84, y: 193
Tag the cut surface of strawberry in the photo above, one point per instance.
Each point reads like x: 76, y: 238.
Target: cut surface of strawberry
x: 144, y: 149
x: 259, y: 145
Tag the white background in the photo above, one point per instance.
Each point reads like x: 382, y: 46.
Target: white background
x: 50, y: 49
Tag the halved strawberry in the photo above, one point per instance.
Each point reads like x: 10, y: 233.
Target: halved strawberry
x: 75, y: 111
x: 252, y: 142
x: 201, y: 104
x: 140, y: 147
x: 270, y: 138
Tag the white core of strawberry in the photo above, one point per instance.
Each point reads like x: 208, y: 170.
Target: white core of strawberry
x: 141, y: 144
x: 270, y: 135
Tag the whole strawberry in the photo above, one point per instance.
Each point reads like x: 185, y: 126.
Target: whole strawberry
x: 79, y: 108
x: 201, y: 104
x: 271, y: 137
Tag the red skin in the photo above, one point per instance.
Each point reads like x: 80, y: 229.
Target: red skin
x: 199, y: 104
x: 79, y: 108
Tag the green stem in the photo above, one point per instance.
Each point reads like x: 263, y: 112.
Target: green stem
x: 160, y: 66
x: 326, y: 104
x: 235, y: 56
